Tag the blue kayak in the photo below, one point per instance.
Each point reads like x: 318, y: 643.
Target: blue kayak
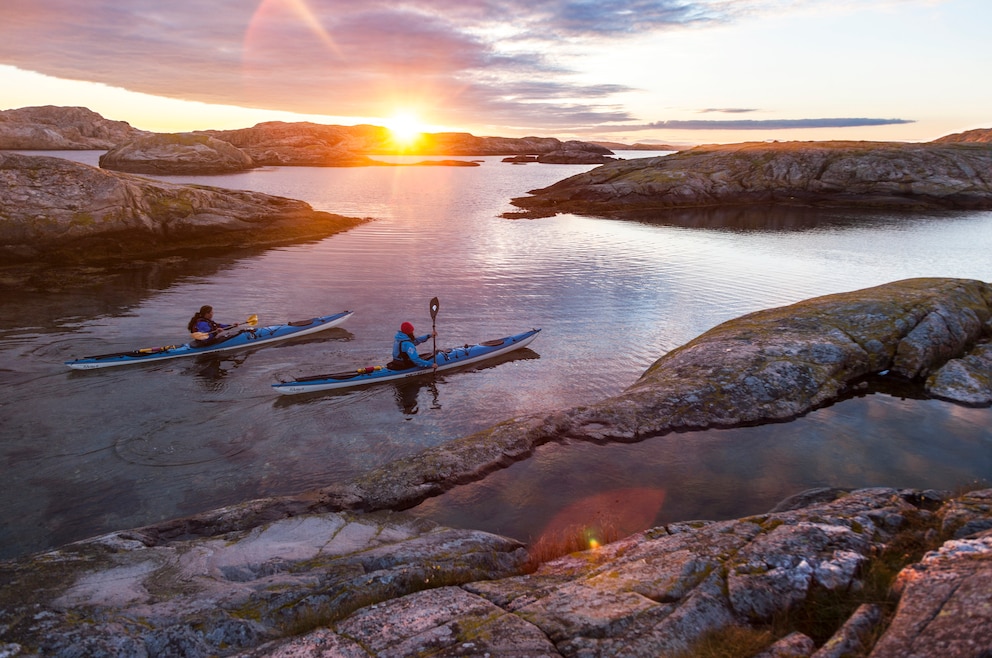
x: 249, y: 337
x: 446, y: 359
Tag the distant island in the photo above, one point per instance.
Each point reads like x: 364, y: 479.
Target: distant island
x: 272, y: 143
x: 620, y: 146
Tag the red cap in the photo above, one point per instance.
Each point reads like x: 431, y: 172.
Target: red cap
x: 406, y: 328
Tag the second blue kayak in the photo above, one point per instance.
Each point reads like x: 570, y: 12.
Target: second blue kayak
x: 446, y: 359
x: 247, y: 338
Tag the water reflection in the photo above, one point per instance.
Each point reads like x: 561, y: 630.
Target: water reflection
x: 767, y: 218
x: 209, y: 370
x: 871, y: 439
x: 407, y: 394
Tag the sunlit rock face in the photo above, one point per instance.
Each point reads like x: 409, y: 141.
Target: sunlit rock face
x: 311, y: 144
x: 277, y: 143
x: 55, y: 128
x: 56, y: 210
x: 977, y: 136
x: 175, y: 154
x: 866, y: 175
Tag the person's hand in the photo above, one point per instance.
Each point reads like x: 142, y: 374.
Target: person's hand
x: 435, y: 366
x: 434, y: 334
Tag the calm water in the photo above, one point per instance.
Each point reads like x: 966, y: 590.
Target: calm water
x: 89, y: 452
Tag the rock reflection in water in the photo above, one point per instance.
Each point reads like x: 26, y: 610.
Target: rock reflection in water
x: 866, y: 441
x: 765, y: 219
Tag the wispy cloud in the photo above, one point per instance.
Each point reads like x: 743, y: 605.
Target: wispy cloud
x: 728, y: 110
x: 759, y: 124
x: 342, y: 57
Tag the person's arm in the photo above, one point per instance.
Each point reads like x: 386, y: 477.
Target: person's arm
x: 411, y: 351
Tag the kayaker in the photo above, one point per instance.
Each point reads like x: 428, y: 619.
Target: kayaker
x: 405, y: 348
x: 203, y: 322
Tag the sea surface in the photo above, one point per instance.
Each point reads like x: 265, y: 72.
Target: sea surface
x: 88, y: 452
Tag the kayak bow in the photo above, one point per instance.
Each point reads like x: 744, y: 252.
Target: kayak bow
x: 446, y: 359
x: 248, y: 338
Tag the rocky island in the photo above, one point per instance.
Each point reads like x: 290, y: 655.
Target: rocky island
x: 56, y: 211
x: 874, y: 572
x: 176, y: 154
x: 863, y: 175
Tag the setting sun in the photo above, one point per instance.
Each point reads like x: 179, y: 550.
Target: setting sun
x: 405, y: 128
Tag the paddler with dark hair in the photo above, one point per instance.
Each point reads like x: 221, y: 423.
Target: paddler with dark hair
x: 405, y: 348
x: 203, y: 323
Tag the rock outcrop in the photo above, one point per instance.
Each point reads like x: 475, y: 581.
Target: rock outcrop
x: 638, y: 146
x: 967, y: 379
x: 311, y: 144
x: 375, y: 585
x: 277, y: 143
x: 868, y: 175
x: 61, y: 128
x: 176, y: 154
x: 574, y: 152
x: 54, y: 210
x: 569, y: 152
x: 977, y: 136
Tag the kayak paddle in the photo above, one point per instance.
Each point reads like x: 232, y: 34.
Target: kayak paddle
x: 435, y: 304
x: 252, y: 321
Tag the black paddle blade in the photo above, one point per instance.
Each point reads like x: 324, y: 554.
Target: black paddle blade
x: 435, y: 305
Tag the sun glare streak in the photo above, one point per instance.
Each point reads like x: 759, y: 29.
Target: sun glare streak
x: 273, y: 12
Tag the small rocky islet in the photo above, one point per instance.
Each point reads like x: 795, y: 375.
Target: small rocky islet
x: 340, y: 572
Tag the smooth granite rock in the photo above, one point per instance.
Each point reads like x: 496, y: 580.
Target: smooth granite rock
x: 54, y: 210
x: 176, y: 154
x: 387, y: 585
x: 863, y: 175
x: 61, y: 128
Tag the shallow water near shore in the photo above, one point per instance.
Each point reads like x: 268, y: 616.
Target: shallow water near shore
x: 90, y: 452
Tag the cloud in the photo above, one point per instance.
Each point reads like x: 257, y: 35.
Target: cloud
x: 342, y: 57
x: 761, y: 124
x: 728, y: 110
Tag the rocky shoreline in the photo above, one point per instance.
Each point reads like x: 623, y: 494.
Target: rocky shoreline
x: 55, y: 211
x: 324, y: 573
x: 864, y: 175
